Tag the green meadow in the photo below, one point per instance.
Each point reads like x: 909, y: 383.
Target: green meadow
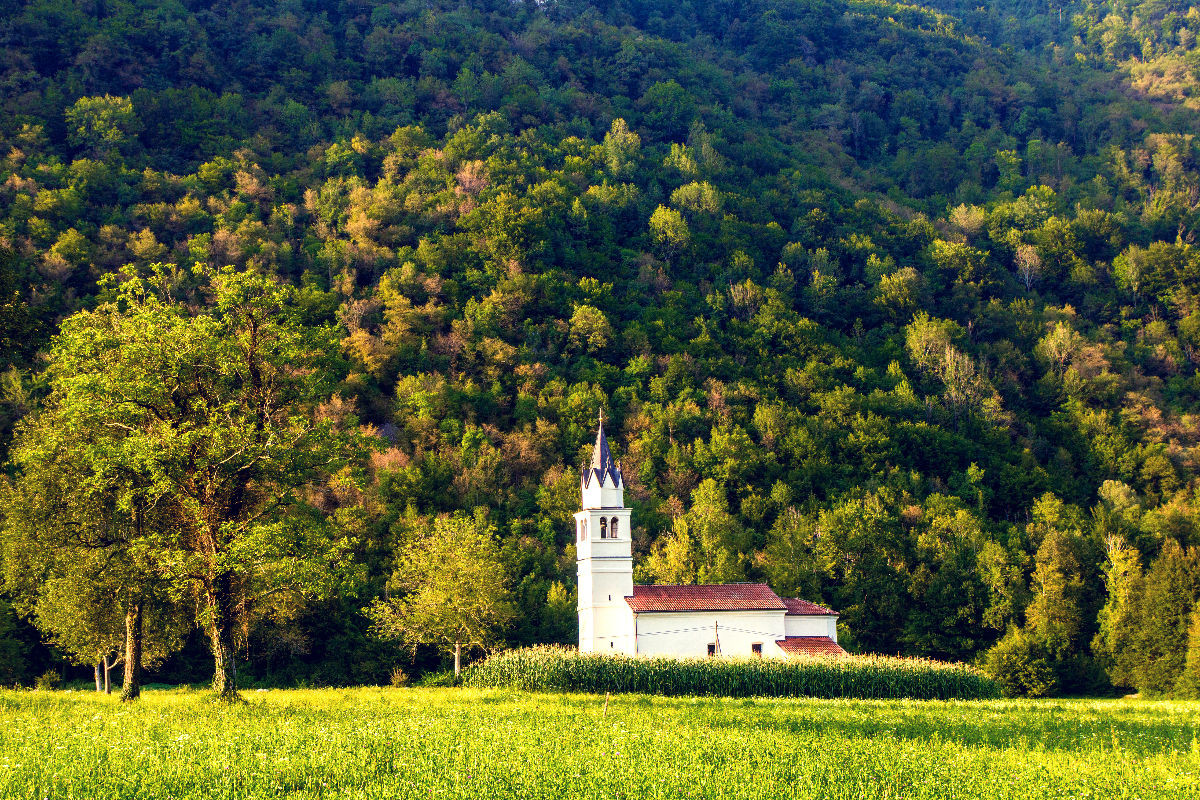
x: 400, y: 743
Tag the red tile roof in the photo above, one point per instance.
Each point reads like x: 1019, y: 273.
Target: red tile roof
x: 802, y: 608
x: 721, y: 597
x: 810, y: 646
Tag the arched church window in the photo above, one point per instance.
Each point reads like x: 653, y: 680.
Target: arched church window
x: 584, y: 532
x: 603, y: 528
x: 579, y: 525
x: 613, y: 529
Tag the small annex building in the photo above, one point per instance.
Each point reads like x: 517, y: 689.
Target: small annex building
x: 615, y: 616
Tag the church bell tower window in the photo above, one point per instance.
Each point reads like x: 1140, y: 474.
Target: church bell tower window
x: 612, y: 531
x: 603, y: 528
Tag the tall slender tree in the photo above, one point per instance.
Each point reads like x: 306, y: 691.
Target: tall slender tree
x: 1172, y: 588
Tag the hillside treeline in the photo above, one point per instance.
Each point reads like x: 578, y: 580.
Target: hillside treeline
x: 895, y: 312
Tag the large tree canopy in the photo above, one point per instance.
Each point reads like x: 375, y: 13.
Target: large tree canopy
x: 206, y: 412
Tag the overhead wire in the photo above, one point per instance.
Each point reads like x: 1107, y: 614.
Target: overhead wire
x: 718, y: 627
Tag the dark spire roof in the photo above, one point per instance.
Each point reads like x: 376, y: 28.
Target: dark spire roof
x: 602, y: 460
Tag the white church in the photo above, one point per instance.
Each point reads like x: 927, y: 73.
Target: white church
x: 734, y: 619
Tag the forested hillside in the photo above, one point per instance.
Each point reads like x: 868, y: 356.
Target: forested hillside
x: 893, y: 307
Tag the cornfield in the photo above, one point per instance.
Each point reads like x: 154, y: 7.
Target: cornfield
x: 557, y: 669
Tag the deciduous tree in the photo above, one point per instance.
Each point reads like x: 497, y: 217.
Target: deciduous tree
x: 208, y: 407
x: 74, y: 554
x: 448, y: 589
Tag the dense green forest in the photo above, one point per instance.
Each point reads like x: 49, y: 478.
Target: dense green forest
x: 894, y: 307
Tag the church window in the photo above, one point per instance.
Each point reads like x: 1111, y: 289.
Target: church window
x: 603, y: 528
x: 712, y: 650
x: 613, y: 529
x: 756, y: 649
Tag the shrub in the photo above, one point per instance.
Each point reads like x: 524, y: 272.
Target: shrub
x: 49, y: 680
x: 565, y: 670
x: 1022, y: 667
x: 399, y: 678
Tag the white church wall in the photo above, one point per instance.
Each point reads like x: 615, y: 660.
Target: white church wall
x: 611, y: 631
x: 688, y: 634
x: 607, y: 496
x: 816, y: 625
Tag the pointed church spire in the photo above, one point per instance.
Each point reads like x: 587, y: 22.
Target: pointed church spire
x: 603, y: 466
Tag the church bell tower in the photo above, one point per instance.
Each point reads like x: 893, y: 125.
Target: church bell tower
x: 604, y: 556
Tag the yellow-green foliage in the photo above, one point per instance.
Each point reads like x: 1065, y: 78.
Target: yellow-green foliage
x: 559, y: 669
x: 371, y: 744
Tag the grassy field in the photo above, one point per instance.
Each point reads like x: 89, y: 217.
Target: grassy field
x: 400, y: 743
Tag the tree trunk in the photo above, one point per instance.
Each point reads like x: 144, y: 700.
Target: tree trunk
x: 107, y: 682
x: 457, y: 659
x: 132, y: 687
x: 220, y: 633
x: 99, y: 680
